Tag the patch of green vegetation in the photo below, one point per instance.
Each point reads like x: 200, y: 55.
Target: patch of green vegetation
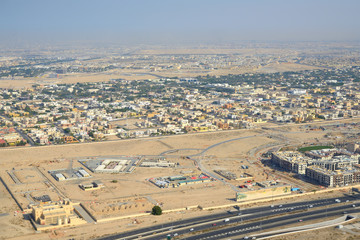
x: 156, y: 210
x: 305, y: 149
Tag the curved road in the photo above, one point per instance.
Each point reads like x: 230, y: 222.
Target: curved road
x: 198, y: 157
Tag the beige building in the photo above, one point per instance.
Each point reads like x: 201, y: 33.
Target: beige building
x: 60, y: 213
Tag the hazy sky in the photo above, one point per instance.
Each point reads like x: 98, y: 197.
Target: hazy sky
x: 143, y: 21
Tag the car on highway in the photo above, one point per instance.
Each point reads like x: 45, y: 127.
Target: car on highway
x: 300, y: 220
x: 191, y: 229
x: 311, y: 206
x: 338, y: 200
x: 280, y: 206
x: 353, y: 205
x: 226, y: 220
x: 345, y: 212
x: 214, y: 224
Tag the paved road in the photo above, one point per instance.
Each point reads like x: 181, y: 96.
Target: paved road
x: 25, y: 136
x: 182, y: 149
x: 198, y: 157
x: 220, y: 143
x: 21, y: 133
x: 205, y: 222
x: 245, y: 229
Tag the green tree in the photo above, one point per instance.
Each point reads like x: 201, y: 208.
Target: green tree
x: 156, y: 210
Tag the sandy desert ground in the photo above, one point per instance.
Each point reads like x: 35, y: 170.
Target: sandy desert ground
x: 224, y: 150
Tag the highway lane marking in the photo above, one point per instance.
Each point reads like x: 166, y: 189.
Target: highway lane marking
x: 190, y: 226
x: 253, y: 227
x: 220, y: 220
x: 240, y: 230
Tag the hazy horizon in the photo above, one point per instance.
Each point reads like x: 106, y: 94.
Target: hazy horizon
x: 170, y: 22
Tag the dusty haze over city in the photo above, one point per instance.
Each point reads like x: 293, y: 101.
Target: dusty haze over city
x: 179, y: 119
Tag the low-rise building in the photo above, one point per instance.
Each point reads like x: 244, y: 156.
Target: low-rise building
x: 59, y: 213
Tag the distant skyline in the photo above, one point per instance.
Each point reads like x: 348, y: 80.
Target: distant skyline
x: 166, y: 21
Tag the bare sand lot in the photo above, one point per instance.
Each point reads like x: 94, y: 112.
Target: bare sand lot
x: 283, y: 67
x: 146, y: 146
x: 11, y: 221
x: 73, y: 78
x: 236, y: 148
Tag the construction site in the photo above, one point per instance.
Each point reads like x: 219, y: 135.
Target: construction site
x: 216, y: 170
x: 180, y: 180
x: 115, y: 164
x: 69, y: 174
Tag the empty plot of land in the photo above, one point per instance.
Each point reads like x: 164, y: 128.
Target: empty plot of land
x: 28, y: 175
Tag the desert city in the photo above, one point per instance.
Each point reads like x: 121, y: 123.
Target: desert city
x: 192, y: 120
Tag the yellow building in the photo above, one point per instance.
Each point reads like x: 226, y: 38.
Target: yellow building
x: 60, y: 213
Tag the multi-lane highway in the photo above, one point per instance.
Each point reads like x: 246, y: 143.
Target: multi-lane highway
x: 247, y: 229
x: 217, y: 223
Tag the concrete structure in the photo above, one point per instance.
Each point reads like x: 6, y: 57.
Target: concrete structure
x: 180, y: 180
x: 333, y: 178
x: 291, y: 161
x: 226, y: 174
x: 59, y: 177
x: 157, y: 162
x: 56, y: 214
x: 91, y: 186
x: 114, y: 164
x: 69, y: 174
x: 326, y: 166
x: 338, y: 162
